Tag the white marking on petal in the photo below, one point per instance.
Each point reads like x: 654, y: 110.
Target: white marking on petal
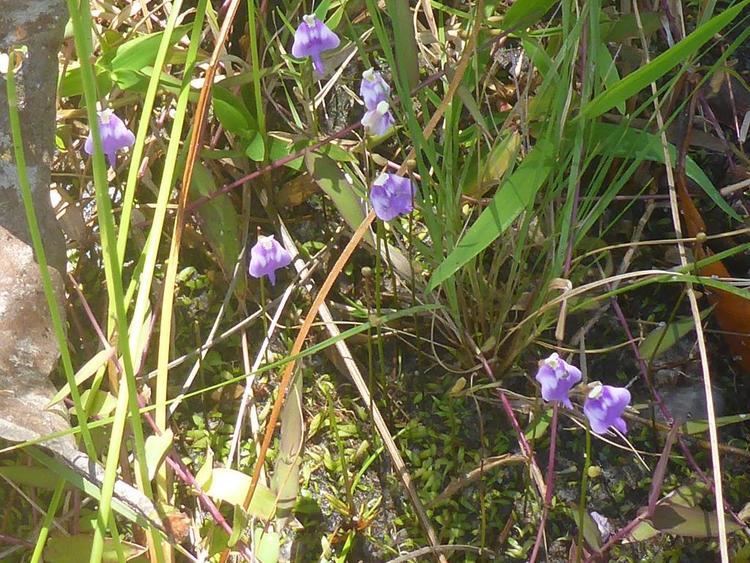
x: 309, y: 19
x: 596, y: 390
x: 105, y: 116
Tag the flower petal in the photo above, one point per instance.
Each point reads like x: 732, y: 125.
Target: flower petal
x: 373, y: 89
x: 311, y: 38
x: 267, y: 256
x: 391, y: 196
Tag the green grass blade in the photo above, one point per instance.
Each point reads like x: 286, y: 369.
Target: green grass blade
x: 127, y: 401
x: 627, y: 142
x: 165, y: 41
x: 513, y: 197
x: 41, y: 258
x: 47, y: 522
x: 661, y: 65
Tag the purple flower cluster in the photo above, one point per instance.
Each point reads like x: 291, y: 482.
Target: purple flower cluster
x: 311, y: 39
x: 375, y: 92
x: 604, y: 404
x: 390, y: 194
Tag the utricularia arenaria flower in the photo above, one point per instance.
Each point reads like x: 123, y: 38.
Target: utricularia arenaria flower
x: 114, y: 136
x: 378, y: 118
x: 378, y: 121
x: 391, y: 196
x: 374, y: 89
x: 605, y: 406
x: 311, y: 39
x: 266, y: 257
x: 556, y: 377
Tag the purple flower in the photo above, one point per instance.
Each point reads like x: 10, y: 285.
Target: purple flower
x: 378, y: 121
x: 266, y: 257
x: 604, y: 525
x: 311, y: 39
x: 391, y: 196
x: 556, y: 377
x: 373, y: 89
x: 604, y: 408
x: 114, y: 136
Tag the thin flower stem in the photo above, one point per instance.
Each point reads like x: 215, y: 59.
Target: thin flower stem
x: 584, y: 491
x: 550, y: 482
x: 522, y: 441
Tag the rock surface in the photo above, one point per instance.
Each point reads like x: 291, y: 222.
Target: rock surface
x: 28, y: 350
x: 38, y: 25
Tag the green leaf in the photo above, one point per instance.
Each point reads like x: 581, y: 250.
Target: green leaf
x: 219, y: 221
x: 232, y: 486
x: 71, y: 84
x: 231, y: 112
x: 539, y: 57
x: 514, y: 195
x: 625, y: 26
x: 525, y: 13
x: 627, y: 142
x: 663, y: 337
x: 660, y: 66
x: 205, y: 473
x: 267, y: 545
x: 30, y: 476
x: 406, y: 50
x: 690, y: 494
x: 334, y: 183
x: 590, y: 530
x: 605, y: 66
x: 156, y: 450
x: 700, y: 426
x: 77, y: 548
x: 88, y: 370
x: 280, y: 148
x: 497, y: 163
x: 255, y: 149
x: 285, y: 480
x: 688, y: 521
x: 139, y: 53
x: 538, y: 428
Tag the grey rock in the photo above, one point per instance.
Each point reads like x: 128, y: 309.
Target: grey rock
x: 38, y: 25
x: 28, y: 349
x: 28, y: 353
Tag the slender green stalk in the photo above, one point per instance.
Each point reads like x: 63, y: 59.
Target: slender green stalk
x: 41, y: 257
x: 352, y: 507
x: 584, y: 488
x: 150, y: 254
x: 260, y: 115
x: 36, y: 557
x: 143, y: 128
x: 80, y: 12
